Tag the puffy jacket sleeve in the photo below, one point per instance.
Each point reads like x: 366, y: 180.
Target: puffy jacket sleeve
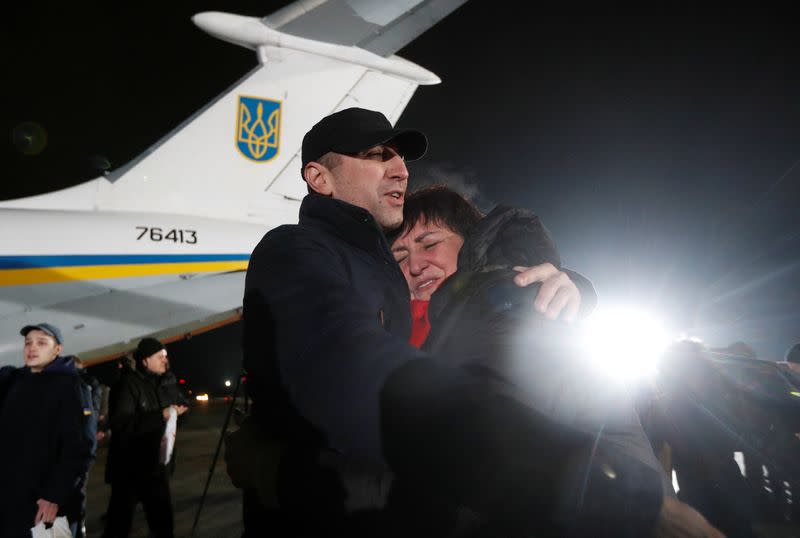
x: 456, y: 437
x: 520, y: 431
x: 511, y: 236
x: 332, y: 352
x: 526, y: 241
x: 588, y: 293
x: 75, y: 452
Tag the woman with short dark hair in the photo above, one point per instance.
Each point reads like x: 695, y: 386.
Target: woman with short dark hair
x: 524, y: 441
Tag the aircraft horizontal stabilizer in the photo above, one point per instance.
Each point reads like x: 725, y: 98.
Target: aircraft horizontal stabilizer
x: 382, y: 28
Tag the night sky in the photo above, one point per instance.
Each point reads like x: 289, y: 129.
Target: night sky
x: 662, y: 150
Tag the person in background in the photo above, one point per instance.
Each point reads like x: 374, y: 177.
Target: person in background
x: 138, y: 422
x: 45, y: 449
x: 784, y: 479
x: 92, y: 396
x: 791, y: 365
x: 696, y: 419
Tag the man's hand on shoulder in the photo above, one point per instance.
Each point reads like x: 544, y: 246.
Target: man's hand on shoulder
x: 558, y: 298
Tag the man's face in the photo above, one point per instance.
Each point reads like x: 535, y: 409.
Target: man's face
x: 375, y: 180
x: 427, y: 255
x: 40, y: 350
x: 157, y: 362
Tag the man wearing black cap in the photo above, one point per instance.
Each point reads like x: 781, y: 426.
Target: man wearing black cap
x: 319, y: 299
x: 45, y: 450
x: 138, y: 419
x: 326, y: 320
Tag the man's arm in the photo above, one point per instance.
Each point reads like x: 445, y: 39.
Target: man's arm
x: 523, y: 241
x: 564, y: 294
x: 332, y: 351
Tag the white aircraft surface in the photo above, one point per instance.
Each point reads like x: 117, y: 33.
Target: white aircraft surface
x: 160, y: 246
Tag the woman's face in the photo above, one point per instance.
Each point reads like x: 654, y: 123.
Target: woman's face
x: 427, y: 255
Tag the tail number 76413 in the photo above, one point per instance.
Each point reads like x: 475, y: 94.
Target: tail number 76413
x: 159, y: 234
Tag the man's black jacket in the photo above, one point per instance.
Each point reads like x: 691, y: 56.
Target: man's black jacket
x: 45, y: 450
x: 137, y: 425
x: 326, y: 320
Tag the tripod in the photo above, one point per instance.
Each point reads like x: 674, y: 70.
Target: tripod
x: 219, y: 447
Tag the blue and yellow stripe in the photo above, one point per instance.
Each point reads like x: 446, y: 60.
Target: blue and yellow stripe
x: 24, y: 270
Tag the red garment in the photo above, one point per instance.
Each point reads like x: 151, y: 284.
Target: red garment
x: 420, y: 326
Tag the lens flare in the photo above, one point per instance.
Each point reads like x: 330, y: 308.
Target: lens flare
x: 625, y: 343
x: 29, y: 138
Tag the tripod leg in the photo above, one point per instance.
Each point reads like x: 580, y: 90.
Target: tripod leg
x: 216, y: 454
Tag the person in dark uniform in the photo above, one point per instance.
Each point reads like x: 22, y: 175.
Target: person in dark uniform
x: 696, y: 417
x: 92, y: 396
x: 138, y: 420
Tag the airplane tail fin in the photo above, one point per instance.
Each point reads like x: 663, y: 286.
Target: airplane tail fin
x: 238, y: 158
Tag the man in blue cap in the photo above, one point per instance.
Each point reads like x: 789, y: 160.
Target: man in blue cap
x: 45, y: 449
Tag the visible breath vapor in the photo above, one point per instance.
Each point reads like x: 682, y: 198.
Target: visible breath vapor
x: 462, y: 182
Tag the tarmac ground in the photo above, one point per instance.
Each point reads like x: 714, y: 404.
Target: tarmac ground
x: 196, y: 442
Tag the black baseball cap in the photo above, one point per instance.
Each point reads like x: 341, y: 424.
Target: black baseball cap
x: 47, y: 328
x: 355, y: 129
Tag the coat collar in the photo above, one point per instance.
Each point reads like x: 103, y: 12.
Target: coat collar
x: 348, y: 222
x: 59, y: 365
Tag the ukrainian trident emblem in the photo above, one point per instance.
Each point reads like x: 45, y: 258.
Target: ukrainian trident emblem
x: 258, y: 128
